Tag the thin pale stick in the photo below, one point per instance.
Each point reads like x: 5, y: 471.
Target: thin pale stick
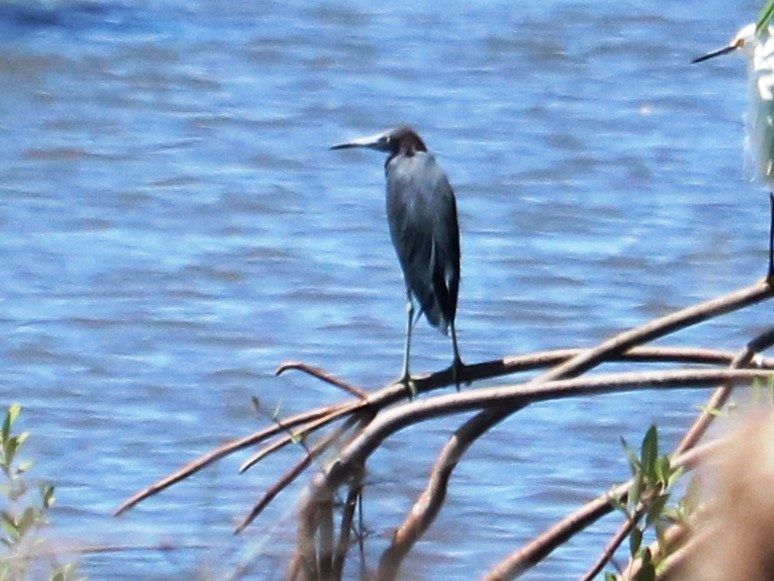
x: 294, y: 472
x: 322, y: 375
x: 345, y: 531
x: 324, y: 415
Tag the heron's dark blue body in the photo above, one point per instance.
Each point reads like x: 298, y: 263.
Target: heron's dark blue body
x: 422, y: 216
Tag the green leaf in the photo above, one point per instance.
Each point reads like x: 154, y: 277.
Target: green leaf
x: 9, y: 451
x: 661, y: 538
x: 713, y: 411
x: 656, y: 509
x: 646, y: 556
x: 646, y: 573
x: 764, y: 17
x: 67, y: 572
x: 635, y: 492
x: 663, y: 469
x: 13, y: 412
x: 674, y: 477
x: 28, y: 519
x: 46, y: 494
x: 631, y: 456
x: 9, y: 518
x: 24, y: 467
x: 649, y: 453
x: 635, y: 541
x: 673, y: 514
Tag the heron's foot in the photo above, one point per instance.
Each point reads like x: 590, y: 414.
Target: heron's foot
x: 410, y: 385
x: 456, y: 368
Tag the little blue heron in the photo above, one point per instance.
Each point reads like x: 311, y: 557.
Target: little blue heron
x: 422, y: 215
x: 759, y: 50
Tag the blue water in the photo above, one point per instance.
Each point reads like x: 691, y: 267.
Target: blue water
x: 172, y: 227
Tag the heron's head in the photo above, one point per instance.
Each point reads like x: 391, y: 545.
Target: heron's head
x: 400, y: 139
x: 745, y: 41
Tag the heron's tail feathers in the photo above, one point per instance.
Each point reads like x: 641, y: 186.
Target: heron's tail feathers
x: 434, y: 315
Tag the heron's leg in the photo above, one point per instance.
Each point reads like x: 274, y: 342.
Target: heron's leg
x: 770, y: 274
x: 457, y: 364
x: 406, y: 376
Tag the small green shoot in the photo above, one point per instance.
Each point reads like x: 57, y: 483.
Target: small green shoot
x: 653, y: 478
x: 22, y: 520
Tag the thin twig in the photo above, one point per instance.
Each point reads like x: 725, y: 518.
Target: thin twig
x: 486, y: 370
x: 540, y: 547
x: 329, y: 413
x: 658, y: 328
x: 615, y: 541
x: 323, y: 375
x: 718, y: 399
x: 521, y: 394
x: 282, y: 483
x: 315, y: 518
x: 290, y: 438
x: 345, y: 531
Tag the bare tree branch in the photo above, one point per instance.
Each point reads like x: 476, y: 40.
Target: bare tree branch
x: 322, y: 375
x: 691, y: 438
x: 324, y: 415
x: 539, y: 548
x: 393, y: 393
x: 580, y: 363
x: 718, y: 399
x: 315, y: 452
x: 321, y: 553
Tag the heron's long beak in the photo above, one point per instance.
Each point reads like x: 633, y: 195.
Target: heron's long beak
x: 378, y: 142
x: 714, y: 53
